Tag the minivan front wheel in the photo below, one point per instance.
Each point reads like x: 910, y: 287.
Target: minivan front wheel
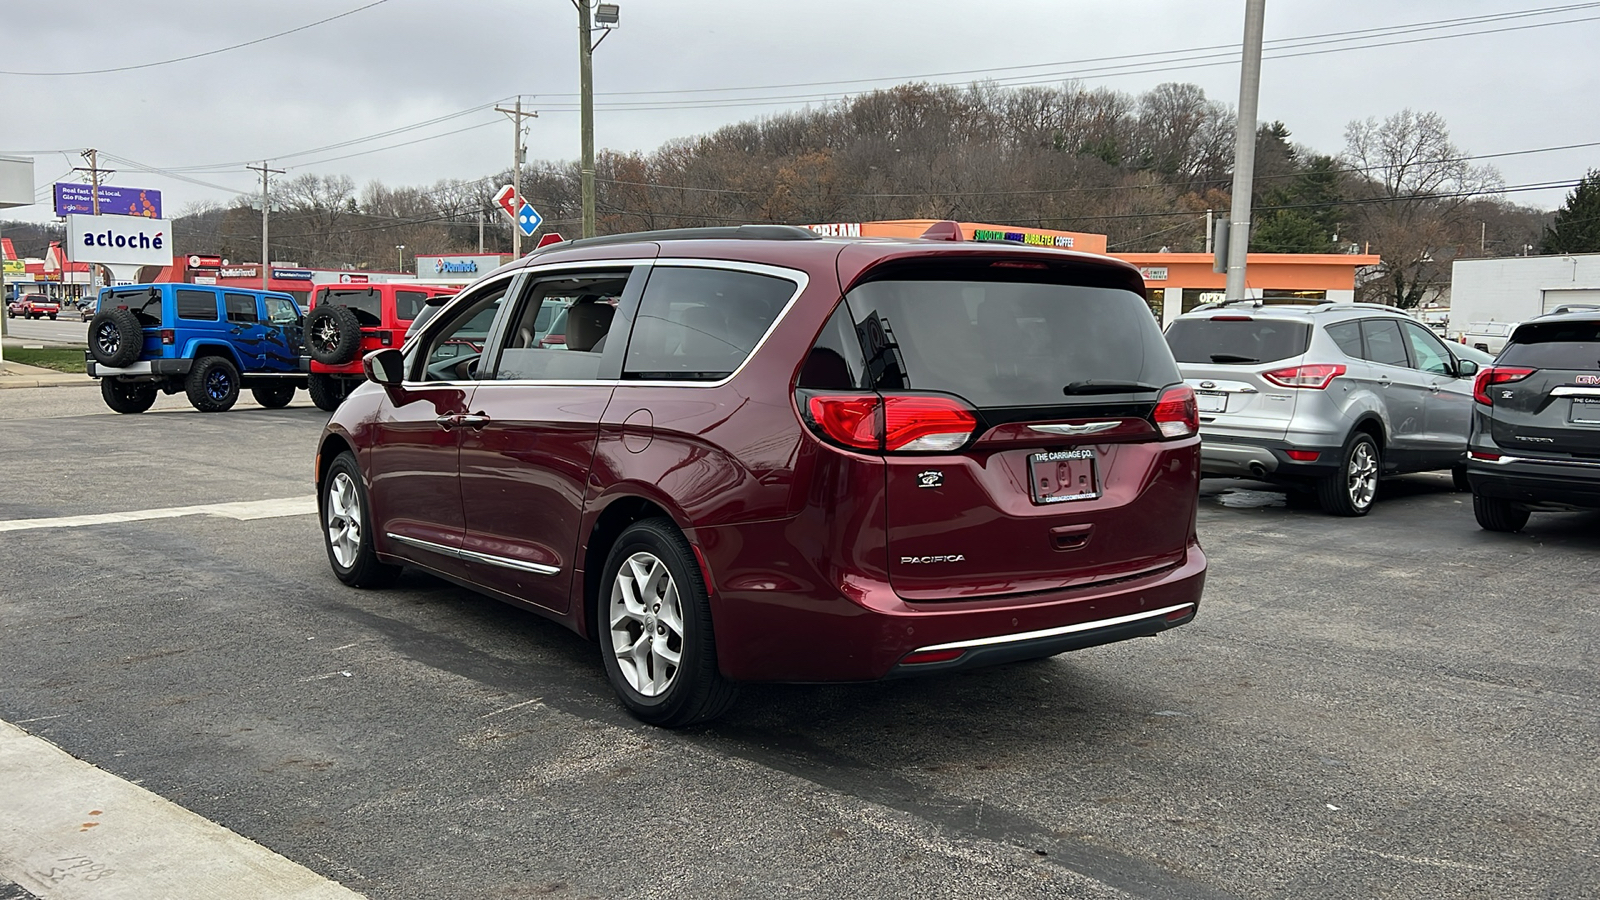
x: 656, y: 640
x: 347, y: 527
x: 1351, y: 490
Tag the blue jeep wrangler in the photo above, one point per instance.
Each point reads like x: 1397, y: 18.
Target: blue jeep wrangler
x: 205, y: 341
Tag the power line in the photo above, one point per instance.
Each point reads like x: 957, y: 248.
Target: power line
x: 178, y: 59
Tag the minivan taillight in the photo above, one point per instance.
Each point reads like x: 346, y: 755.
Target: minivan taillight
x: 1176, y: 414
x: 921, y: 423
x: 1492, y: 375
x: 1315, y: 377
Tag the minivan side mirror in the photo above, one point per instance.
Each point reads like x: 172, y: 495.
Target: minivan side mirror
x: 386, y: 366
x: 1466, y: 368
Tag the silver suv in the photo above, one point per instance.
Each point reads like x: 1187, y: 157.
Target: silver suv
x: 1327, y: 397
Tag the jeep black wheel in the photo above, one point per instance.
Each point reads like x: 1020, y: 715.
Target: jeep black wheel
x: 656, y: 639
x: 273, y: 394
x: 327, y: 391
x: 332, y: 334
x: 1351, y: 490
x: 115, y: 337
x: 347, y: 527
x: 212, y: 385
x: 1496, y: 514
x: 127, y: 396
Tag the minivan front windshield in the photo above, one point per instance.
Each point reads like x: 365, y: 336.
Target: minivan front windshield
x: 1009, y: 343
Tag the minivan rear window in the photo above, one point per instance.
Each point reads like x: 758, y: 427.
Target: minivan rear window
x: 1008, y: 343
x: 1238, y: 340
x: 1555, y: 345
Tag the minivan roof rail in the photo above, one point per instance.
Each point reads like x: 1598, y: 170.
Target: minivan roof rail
x: 712, y: 233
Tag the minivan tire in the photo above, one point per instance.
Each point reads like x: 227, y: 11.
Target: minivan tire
x: 115, y: 337
x: 212, y: 385
x: 274, y: 395
x: 332, y: 334
x: 1498, y: 514
x: 1352, y: 489
x: 342, y: 505
x: 327, y: 391
x: 696, y: 691
x: 127, y: 396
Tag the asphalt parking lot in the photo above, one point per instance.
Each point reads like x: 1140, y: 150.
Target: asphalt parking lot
x: 1400, y: 706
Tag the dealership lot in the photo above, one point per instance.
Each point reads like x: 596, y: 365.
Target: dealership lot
x: 1399, y: 706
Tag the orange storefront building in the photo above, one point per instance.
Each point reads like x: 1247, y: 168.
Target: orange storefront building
x: 1176, y: 282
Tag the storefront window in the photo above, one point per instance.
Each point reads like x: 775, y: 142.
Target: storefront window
x: 1157, y: 298
x: 1193, y: 297
x: 1294, y: 296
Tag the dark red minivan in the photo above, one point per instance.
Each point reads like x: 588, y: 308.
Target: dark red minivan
x: 761, y: 454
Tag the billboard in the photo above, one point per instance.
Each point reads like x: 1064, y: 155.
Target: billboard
x: 114, y: 201
x: 125, y: 240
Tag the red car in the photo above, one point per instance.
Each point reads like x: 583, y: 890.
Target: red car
x: 784, y: 457
x: 349, y: 320
x: 34, y: 306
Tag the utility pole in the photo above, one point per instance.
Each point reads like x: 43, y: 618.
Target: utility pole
x: 1244, y: 147
x: 266, y: 204
x: 518, y: 151
x: 95, y: 174
x: 480, y: 232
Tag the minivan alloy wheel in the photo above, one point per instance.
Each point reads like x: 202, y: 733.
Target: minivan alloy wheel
x: 343, y: 516
x: 646, y: 618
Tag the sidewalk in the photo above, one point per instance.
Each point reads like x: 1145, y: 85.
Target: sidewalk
x: 17, y: 375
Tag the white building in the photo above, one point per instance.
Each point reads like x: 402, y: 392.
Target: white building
x: 1517, y: 288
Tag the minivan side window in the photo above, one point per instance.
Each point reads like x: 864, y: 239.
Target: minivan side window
x: 452, y: 351
x: 585, y: 304
x: 241, y: 309
x: 1384, y: 342
x: 199, y: 305
x: 699, y: 324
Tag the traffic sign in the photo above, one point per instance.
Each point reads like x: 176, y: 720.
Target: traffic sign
x: 528, y: 219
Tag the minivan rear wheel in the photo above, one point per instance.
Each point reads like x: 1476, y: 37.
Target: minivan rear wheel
x: 656, y: 638
x: 1497, y: 514
x: 1351, y: 490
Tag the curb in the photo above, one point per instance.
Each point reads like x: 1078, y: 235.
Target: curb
x: 28, y: 381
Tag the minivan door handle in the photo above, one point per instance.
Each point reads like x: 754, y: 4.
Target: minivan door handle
x: 1070, y: 537
x: 475, y: 422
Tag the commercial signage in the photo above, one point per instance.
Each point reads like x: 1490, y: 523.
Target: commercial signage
x: 239, y: 272
x: 125, y: 240
x: 1022, y: 237
x: 456, y: 265
x: 15, y: 267
x: 838, y: 229
x: 205, y: 279
x: 1153, y: 273
x: 292, y: 274
x: 114, y: 201
x: 351, y: 278
x: 204, y: 262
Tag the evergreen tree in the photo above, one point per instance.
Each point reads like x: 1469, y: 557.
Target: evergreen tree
x: 1577, y: 225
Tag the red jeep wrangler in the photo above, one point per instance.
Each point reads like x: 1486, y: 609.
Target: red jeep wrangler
x: 347, y: 321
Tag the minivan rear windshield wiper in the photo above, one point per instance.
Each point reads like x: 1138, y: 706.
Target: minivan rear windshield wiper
x: 1107, y: 387
x: 1232, y: 357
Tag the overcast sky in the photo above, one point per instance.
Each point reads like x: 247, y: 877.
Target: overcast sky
x: 404, y: 62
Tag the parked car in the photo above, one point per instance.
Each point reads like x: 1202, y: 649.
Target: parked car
x: 1328, y: 398
x: 783, y: 457
x: 1536, y: 423
x: 1489, y: 337
x: 36, y: 306
x: 86, y: 308
x: 205, y: 341
x: 348, y: 321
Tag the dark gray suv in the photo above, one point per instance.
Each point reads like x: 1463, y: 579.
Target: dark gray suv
x: 1536, y: 423
x: 1327, y: 397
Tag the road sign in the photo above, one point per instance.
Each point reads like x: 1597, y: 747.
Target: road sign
x: 528, y: 219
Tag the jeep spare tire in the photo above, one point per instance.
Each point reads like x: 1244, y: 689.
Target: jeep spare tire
x: 115, y: 337
x: 333, y: 334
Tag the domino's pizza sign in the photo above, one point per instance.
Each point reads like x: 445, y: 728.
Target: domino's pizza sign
x: 124, y: 240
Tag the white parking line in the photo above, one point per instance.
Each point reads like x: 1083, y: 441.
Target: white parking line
x: 70, y: 831
x: 243, y: 510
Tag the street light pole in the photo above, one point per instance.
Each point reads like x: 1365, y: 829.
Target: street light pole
x: 1244, y: 148
x: 586, y: 107
x: 400, y: 254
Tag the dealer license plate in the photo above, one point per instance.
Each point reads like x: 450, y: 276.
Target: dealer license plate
x: 1060, y: 475
x: 1211, y: 402
x: 1585, y: 411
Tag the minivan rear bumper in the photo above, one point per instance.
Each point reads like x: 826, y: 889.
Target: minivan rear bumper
x: 778, y: 619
